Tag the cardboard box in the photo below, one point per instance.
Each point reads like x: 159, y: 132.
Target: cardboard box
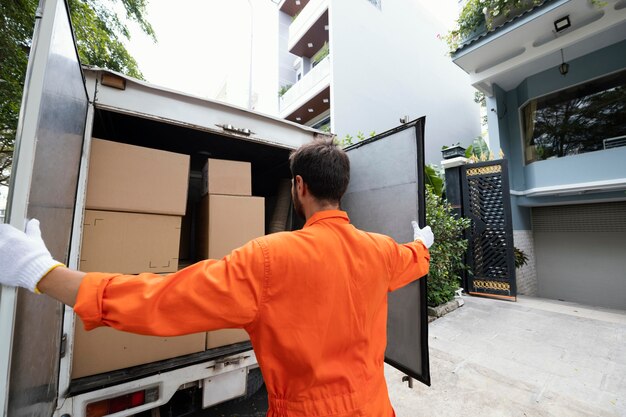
x: 129, y: 243
x: 224, y: 337
x: 136, y: 179
x: 105, y: 349
x: 220, y: 176
x: 227, y: 222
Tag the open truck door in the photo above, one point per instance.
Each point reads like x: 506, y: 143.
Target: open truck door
x: 44, y: 180
x: 385, y: 194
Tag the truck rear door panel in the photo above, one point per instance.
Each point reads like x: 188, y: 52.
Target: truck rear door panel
x: 47, y: 158
x: 385, y: 194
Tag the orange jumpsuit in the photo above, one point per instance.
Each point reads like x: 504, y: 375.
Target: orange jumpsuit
x: 313, y: 301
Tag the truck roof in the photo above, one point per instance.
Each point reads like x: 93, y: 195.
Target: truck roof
x: 96, y: 70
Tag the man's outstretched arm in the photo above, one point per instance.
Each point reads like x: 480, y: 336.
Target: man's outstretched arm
x: 208, y: 295
x: 61, y: 284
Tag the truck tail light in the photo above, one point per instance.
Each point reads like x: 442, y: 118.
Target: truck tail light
x: 123, y: 402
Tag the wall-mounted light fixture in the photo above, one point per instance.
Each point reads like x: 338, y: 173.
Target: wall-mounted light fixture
x: 562, y: 24
x: 564, y: 67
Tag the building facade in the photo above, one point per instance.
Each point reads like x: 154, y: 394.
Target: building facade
x: 555, y: 80
x: 359, y: 66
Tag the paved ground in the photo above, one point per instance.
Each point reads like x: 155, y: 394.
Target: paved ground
x: 533, y: 358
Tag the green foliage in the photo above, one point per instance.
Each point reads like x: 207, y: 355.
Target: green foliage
x: 479, y: 150
x: 520, y: 258
x: 283, y: 89
x: 349, y: 139
x: 434, y: 179
x: 99, y: 32
x: 446, y: 254
x: 478, y: 15
x: 320, y: 55
x: 17, y: 18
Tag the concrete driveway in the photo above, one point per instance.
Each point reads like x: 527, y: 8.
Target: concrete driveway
x: 531, y: 358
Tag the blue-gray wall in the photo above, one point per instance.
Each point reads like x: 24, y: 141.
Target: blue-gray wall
x: 505, y: 133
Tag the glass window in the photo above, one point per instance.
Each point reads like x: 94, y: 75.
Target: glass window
x: 323, y: 125
x: 585, y: 118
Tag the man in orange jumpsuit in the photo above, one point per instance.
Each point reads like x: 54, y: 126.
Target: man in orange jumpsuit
x: 313, y: 301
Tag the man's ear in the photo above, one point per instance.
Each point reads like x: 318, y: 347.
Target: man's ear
x: 302, y: 187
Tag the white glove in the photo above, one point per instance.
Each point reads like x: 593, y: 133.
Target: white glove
x: 24, y: 258
x: 425, y: 234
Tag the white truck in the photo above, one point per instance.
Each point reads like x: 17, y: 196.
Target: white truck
x: 64, y: 107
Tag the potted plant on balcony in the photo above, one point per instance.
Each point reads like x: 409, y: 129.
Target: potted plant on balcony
x: 283, y: 89
x: 320, y: 55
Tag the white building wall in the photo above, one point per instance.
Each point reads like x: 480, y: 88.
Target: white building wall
x: 235, y: 88
x: 286, y: 73
x: 389, y: 63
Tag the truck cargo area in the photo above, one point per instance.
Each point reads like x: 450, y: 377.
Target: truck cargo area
x: 269, y: 162
x: 269, y: 165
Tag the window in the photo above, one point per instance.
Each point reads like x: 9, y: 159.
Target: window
x: 323, y: 125
x: 580, y: 119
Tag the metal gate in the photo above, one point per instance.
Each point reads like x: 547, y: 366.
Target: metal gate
x: 487, y: 203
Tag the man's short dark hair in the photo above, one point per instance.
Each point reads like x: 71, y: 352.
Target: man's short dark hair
x: 324, y: 167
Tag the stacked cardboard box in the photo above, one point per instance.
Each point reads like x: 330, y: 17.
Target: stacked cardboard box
x: 228, y: 217
x: 135, y: 199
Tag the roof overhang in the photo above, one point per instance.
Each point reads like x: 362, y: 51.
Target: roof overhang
x: 529, y: 44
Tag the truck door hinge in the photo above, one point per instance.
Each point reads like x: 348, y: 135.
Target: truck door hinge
x: 63, y: 344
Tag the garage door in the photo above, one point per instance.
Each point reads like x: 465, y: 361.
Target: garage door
x: 581, y: 253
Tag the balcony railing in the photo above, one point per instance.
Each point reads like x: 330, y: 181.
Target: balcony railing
x: 312, y: 83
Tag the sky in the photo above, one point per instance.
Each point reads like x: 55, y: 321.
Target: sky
x: 201, y: 43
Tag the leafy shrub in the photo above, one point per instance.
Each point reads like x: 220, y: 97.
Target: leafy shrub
x: 521, y: 258
x: 446, y: 254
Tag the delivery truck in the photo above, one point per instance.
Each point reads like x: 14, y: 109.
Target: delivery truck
x: 195, y: 170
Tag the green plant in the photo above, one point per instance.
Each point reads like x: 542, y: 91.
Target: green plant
x: 478, y: 13
x: 479, y: 149
x: 283, y: 89
x: 446, y: 254
x: 320, y: 55
x: 434, y: 178
x: 521, y: 258
x: 348, y: 139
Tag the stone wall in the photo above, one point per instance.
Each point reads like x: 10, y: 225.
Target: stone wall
x: 526, y: 276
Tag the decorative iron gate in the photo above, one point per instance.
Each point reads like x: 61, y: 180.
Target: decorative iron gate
x: 487, y: 203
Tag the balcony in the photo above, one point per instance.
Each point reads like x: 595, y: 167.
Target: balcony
x: 309, y: 30
x: 312, y: 92
x: 292, y: 7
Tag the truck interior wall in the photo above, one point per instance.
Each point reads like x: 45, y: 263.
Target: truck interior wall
x: 269, y: 163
